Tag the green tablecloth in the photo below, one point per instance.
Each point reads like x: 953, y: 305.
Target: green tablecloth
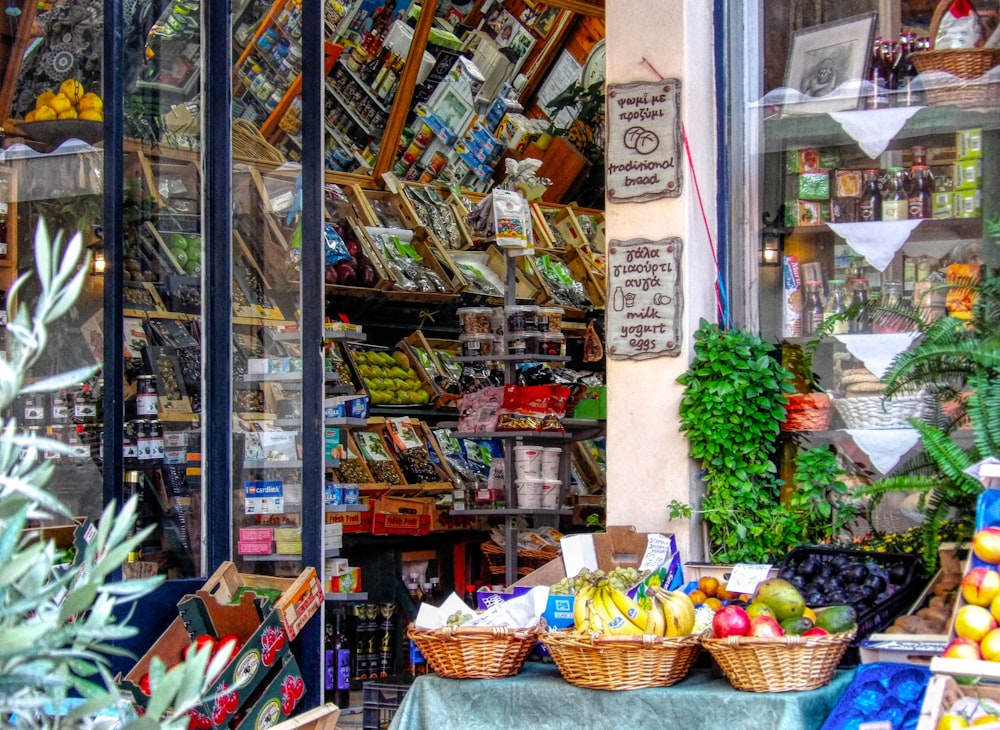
x: 540, y: 699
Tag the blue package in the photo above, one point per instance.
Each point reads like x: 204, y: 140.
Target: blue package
x: 881, y: 692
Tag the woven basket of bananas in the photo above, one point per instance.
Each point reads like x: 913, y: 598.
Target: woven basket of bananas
x: 616, y: 644
x: 780, y: 664
x: 475, y: 652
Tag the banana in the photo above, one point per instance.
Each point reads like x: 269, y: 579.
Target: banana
x: 617, y: 622
x: 596, y: 624
x: 580, y: 612
x: 679, y: 610
x: 656, y: 623
x: 629, y: 608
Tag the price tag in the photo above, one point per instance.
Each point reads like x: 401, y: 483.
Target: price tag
x: 746, y: 576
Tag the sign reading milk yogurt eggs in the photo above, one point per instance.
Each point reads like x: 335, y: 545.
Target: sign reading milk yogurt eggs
x: 643, y: 314
x: 644, y: 141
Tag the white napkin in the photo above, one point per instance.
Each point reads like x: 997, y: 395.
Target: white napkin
x: 884, y: 446
x: 879, y: 351
x: 877, y: 241
x: 874, y: 129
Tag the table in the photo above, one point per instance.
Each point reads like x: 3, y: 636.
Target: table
x: 540, y: 699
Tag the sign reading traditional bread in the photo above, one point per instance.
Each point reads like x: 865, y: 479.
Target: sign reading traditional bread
x: 644, y: 141
x: 644, y: 313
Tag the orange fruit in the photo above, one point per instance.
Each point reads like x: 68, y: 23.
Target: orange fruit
x: 714, y: 603
x: 60, y: 103
x: 708, y: 585
x: 697, y: 597
x: 90, y: 100
x: 93, y: 115
x: 44, y: 98
x: 30, y: 116
x: 72, y: 90
x: 68, y: 114
x: 726, y: 595
x: 44, y: 114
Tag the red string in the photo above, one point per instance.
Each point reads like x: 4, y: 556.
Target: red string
x: 719, y: 294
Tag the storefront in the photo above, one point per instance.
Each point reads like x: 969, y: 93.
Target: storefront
x: 240, y: 134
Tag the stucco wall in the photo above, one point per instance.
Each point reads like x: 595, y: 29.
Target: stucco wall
x: 648, y: 463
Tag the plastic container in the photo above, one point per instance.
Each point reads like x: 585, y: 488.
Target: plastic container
x: 550, y: 343
x: 475, y: 320
x: 531, y: 343
x: 551, y: 489
x: 517, y: 344
x: 480, y: 345
x: 529, y: 493
x: 549, y: 319
x: 520, y: 318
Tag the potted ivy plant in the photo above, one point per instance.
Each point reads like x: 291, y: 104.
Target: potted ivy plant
x: 735, y: 394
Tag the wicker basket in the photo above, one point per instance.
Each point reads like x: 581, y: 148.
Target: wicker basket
x: 615, y: 662
x: 786, y: 664
x: 249, y: 143
x: 475, y: 652
x: 879, y: 412
x: 808, y: 412
x: 527, y: 560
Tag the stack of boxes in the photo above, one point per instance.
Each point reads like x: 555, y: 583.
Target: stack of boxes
x: 255, y: 541
x: 968, y: 174
x: 341, y: 577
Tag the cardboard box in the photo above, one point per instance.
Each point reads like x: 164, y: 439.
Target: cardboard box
x: 346, y: 406
x: 402, y: 515
x: 264, y: 645
x: 969, y: 144
x: 300, y: 597
x: 354, y: 522
x: 968, y: 174
x: 618, y: 547
x: 349, y: 581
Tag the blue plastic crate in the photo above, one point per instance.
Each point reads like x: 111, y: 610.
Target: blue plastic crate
x: 881, y: 691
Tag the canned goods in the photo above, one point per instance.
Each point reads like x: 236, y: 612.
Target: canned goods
x: 412, y: 153
x: 423, y: 136
x: 436, y: 163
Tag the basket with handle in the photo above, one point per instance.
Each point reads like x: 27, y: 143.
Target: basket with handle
x: 784, y: 664
x: 968, y: 65
x: 621, y: 661
x: 879, y: 412
x: 475, y: 652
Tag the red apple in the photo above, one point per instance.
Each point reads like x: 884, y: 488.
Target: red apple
x: 980, y: 586
x: 816, y: 631
x: 989, y: 647
x: 765, y: 626
x: 960, y: 648
x: 986, y: 545
x: 974, y: 622
x: 730, y: 621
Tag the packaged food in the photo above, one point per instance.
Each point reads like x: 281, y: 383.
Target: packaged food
x: 847, y: 183
x: 968, y: 174
x: 475, y: 320
x: 478, y: 345
x: 960, y: 27
x: 551, y: 343
x: 814, y: 186
x: 969, y: 144
x: 549, y: 319
x: 519, y: 318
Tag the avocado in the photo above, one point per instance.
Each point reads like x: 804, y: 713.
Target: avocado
x: 796, y: 626
x: 837, y: 619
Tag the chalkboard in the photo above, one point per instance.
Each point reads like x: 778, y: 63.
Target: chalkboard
x: 646, y: 304
x: 644, y: 141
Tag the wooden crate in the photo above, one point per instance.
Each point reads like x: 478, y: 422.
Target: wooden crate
x: 943, y: 691
x: 581, y: 266
x: 169, y: 182
x: 426, y: 250
x: 320, y: 718
x: 378, y: 458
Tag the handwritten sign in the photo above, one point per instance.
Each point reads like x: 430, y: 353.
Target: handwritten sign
x: 644, y: 141
x: 644, y: 314
x: 747, y: 576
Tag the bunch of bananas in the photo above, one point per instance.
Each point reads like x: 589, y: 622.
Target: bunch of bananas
x: 601, y: 608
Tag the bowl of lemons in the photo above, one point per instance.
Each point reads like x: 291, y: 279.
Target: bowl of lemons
x: 70, y: 112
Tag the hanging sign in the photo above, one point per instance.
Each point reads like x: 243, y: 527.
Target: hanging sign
x: 644, y: 314
x: 644, y: 141
x: 264, y: 496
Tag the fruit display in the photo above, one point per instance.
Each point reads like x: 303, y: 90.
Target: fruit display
x: 388, y: 376
x: 186, y: 250
x: 933, y: 615
x: 71, y: 101
x: 969, y: 712
x: 620, y: 579
x: 601, y: 608
x: 975, y: 631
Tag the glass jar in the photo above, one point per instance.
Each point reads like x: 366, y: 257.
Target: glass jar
x: 146, y: 400
x: 871, y: 197
x: 892, y: 297
x: 921, y: 194
x: 895, y: 203
x: 836, y: 304
x: 859, y: 297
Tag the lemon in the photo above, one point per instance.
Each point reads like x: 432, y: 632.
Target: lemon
x: 30, y: 116
x: 90, y: 100
x: 93, y: 115
x: 68, y: 114
x: 60, y: 103
x: 44, y: 98
x: 72, y: 90
x: 44, y: 114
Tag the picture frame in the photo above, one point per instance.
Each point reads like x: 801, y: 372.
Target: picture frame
x: 828, y: 64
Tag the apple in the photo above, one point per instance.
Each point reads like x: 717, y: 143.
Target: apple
x: 974, y: 622
x: 730, y: 621
x: 986, y: 545
x: 989, y: 647
x: 816, y: 631
x: 980, y: 586
x: 765, y: 626
x: 960, y: 648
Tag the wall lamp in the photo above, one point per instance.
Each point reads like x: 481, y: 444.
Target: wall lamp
x: 772, y: 239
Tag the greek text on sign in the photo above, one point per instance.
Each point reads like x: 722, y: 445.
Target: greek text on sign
x: 644, y: 141
x: 645, y: 308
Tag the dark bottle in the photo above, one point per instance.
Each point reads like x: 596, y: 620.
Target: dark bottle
x: 878, y: 77
x: 338, y: 667
x: 921, y: 194
x: 871, y: 197
x: 813, y: 315
x: 387, y: 630
x: 859, y: 323
x: 895, y: 204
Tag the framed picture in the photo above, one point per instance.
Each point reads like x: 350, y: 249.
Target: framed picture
x: 828, y: 64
